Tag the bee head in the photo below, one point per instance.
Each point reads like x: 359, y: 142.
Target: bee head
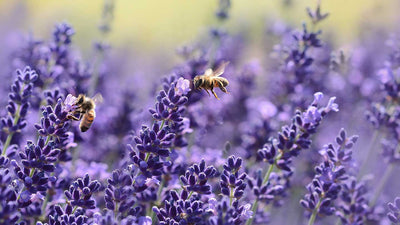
x: 80, y: 99
x: 197, y: 82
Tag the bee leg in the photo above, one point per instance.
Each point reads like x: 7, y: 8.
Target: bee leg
x: 71, y: 117
x: 212, y: 91
x: 207, y: 92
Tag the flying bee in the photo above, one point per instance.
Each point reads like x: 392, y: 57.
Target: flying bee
x: 85, y: 108
x: 211, y: 79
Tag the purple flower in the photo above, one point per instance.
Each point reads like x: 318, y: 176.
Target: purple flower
x: 326, y: 185
x: 180, y: 209
x: 394, y: 211
x: 154, y: 140
x: 317, y: 97
x: 316, y: 16
x: 66, y: 216
x: 62, y: 33
x: 8, y: 197
x: 169, y: 103
x: 70, y: 103
x: 385, y: 75
x: 223, y: 8
x: 18, y: 105
x: 332, y: 106
x: 353, y: 208
x: 246, y: 213
x: 119, y: 194
x: 81, y: 191
x: 196, y: 177
x: 232, y: 182
x: 145, y: 220
x: 292, y: 139
x: 312, y: 114
x: 186, y: 126
x: 182, y: 86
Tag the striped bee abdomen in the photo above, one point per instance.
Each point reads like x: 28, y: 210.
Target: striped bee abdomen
x: 87, y: 120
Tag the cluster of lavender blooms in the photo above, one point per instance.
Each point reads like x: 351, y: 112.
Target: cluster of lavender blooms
x: 256, y: 156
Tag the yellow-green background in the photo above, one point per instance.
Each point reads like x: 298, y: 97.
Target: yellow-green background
x: 152, y: 25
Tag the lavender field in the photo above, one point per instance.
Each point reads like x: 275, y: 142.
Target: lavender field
x: 300, y: 127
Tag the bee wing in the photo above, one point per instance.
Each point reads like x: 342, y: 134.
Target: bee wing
x: 97, y: 98
x: 220, y: 70
x: 208, y: 72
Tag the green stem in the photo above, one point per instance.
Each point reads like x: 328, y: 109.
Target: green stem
x: 190, y: 195
x: 255, y: 205
x: 138, y: 171
x: 268, y: 174
x: 314, y: 214
x: 116, y: 210
x: 75, y: 208
x: 16, y: 118
x: 47, y: 140
x: 152, y: 214
x: 162, y: 124
x: 160, y: 187
x: 46, y: 200
x: 19, y: 196
x: 372, y: 145
x: 382, y: 184
x: 147, y: 157
x: 8, y: 141
x: 153, y: 217
x: 23, y: 189
x: 231, y: 197
x: 254, y: 210
x: 32, y: 172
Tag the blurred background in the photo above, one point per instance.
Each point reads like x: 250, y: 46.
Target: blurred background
x: 154, y: 27
x: 145, y: 35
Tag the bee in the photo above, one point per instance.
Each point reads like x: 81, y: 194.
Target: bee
x: 86, y: 109
x: 211, y: 79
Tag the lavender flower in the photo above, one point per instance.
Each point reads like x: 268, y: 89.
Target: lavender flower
x: 54, y: 125
x: 154, y: 141
x: 394, y: 211
x: 178, y: 157
x: 67, y: 216
x: 272, y: 191
x: 232, y: 183
x: 225, y: 214
x: 316, y: 16
x: 18, y: 105
x: 62, y: 33
x: 168, y: 104
x: 148, y: 164
x: 181, y: 209
x: 196, y: 177
x: 182, y: 86
x: 223, y: 7
x: 40, y: 156
x: 81, y: 191
x: 326, y: 184
x: 118, y: 193
x: 295, y: 137
x: 290, y: 142
x: 353, y: 209
x: 51, y: 59
x: 8, y: 196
